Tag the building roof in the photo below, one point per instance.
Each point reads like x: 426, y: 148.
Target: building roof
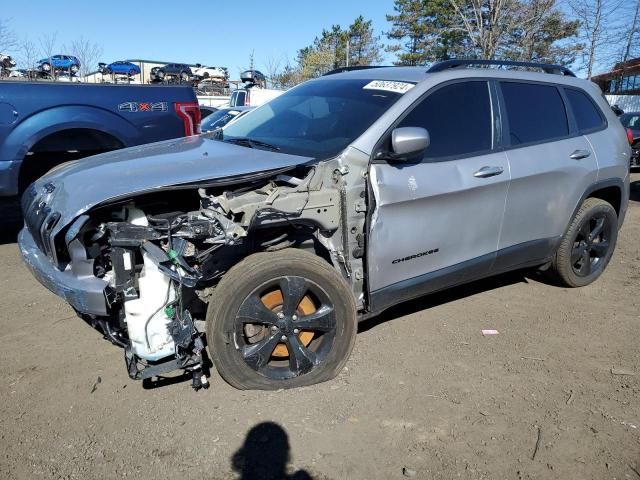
x: 620, y: 68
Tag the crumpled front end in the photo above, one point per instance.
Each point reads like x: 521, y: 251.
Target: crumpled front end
x: 142, y: 268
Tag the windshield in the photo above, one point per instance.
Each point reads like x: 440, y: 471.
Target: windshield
x: 631, y: 120
x: 218, y: 119
x: 316, y: 119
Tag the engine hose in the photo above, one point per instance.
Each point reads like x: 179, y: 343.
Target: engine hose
x: 146, y: 324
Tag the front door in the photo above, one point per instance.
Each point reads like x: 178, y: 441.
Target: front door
x: 437, y: 221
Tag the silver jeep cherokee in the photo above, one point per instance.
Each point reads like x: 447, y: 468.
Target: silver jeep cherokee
x: 346, y: 195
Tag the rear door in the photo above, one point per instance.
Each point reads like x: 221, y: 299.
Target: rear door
x: 437, y: 220
x: 551, y: 164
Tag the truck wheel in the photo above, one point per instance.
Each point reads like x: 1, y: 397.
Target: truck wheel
x: 281, y: 320
x: 588, y: 244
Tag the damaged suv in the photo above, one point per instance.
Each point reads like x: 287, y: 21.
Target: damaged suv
x: 345, y: 195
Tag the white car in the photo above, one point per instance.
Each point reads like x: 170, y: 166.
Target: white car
x: 65, y: 77
x: 213, y: 73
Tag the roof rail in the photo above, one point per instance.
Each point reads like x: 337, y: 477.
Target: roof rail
x: 355, y: 67
x: 547, y: 68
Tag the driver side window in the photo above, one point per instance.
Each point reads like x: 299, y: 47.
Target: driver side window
x: 458, y: 119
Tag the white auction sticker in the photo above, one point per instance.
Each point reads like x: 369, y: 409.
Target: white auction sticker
x: 389, y: 86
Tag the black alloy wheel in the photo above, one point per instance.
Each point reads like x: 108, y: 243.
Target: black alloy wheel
x: 286, y: 327
x: 591, y: 245
x: 588, y: 244
x: 281, y: 320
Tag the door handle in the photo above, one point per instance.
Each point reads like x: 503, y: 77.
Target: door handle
x: 486, y: 172
x: 580, y: 154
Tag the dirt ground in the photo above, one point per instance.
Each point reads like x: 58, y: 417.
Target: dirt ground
x: 424, y: 395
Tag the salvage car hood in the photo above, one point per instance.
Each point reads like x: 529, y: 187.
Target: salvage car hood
x: 73, y: 188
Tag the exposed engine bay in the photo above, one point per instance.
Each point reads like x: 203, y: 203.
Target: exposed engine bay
x: 162, y: 254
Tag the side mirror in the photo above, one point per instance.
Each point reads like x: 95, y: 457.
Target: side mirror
x: 406, y: 143
x: 409, y: 141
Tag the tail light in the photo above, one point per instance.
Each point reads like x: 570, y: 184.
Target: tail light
x: 630, y: 136
x: 190, y: 115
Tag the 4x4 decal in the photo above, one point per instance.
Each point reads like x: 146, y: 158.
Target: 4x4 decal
x: 144, y: 107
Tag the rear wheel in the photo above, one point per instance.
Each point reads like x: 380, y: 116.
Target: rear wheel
x: 281, y: 320
x: 588, y: 245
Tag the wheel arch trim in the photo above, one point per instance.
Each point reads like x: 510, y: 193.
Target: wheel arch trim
x: 601, y: 185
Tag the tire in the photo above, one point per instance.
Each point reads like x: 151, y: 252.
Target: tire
x: 73, y: 69
x: 588, y: 244
x: 160, y: 74
x: 184, y: 76
x: 250, y: 355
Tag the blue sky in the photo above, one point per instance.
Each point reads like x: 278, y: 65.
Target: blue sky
x: 206, y: 32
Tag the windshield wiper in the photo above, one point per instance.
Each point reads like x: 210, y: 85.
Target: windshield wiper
x: 251, y: 143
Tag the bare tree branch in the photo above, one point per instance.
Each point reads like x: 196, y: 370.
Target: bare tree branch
x: 87, y: 52
x: 8, y: 40
x: 48, y: 43
x: 597, y: 30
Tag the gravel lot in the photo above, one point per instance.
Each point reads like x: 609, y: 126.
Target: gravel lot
x: 424, y: 395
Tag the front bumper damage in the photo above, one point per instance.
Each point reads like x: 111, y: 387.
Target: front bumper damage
x: 84, y: 292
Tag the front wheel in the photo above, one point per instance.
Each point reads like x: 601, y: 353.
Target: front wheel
x: 281, y: 320
x: 588, y: 244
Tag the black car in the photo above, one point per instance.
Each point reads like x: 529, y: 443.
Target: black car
x: 180, y: 70
x: 205, y: 111
x: 631, y: 121
x: 254, y: 77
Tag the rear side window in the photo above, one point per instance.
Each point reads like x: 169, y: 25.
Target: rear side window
x: 536, y: 113
x: 457, y: 117
x: 585, y: 112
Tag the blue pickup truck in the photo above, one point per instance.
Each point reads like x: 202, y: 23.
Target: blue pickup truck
x: 43, y: 124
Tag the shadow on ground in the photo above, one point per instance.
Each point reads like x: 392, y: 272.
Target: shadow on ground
x: 265, y: 455
x: 10, y: 220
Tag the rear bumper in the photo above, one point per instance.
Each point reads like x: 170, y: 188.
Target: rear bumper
x: 85, y: 293
x: 9, y: 178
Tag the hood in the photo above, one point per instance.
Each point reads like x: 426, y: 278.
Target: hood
x: 74, y: 187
